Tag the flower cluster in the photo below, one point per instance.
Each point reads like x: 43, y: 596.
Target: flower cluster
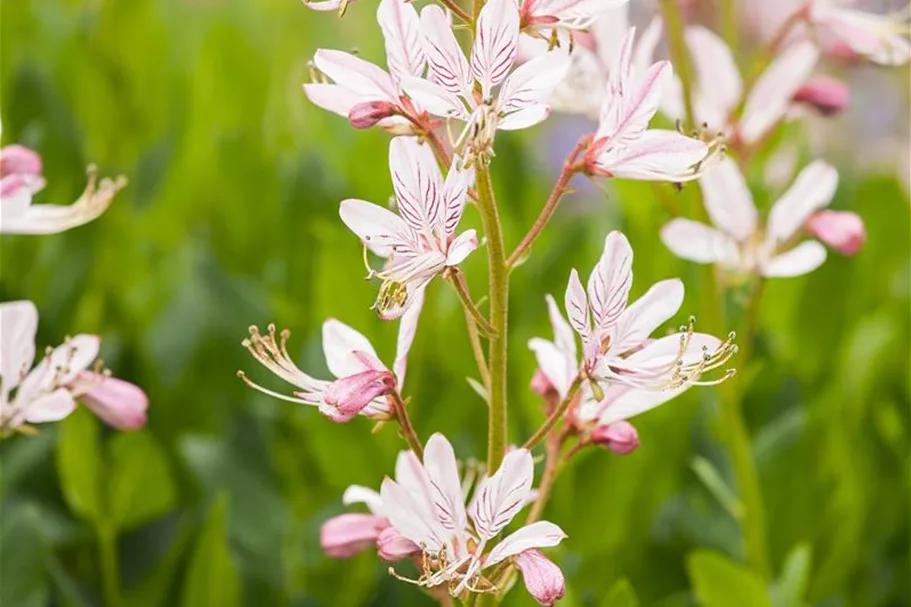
x: 443, y: 107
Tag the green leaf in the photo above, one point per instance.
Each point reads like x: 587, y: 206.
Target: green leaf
x: 791, y: 587
x: 478, y: 387
x: 621, y: 594
x: 79, y: 464
x: 711, y: 478
x: 212, y: 577
x: 720, y: 582
x: 24, y: 581
x: 141, y: 486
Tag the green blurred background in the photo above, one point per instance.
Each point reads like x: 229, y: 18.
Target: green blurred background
x: 230, y: 219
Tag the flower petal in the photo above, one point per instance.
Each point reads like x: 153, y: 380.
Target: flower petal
x: 564, y: 338
x: 117, y: 403
x: 356, y: 494
x: 340, y: 345
x: 448, y: 65
x: 694, y: 241
x: 524, y: 118
x: 402, y: 33
x: 434, y: 98
x: 333, y: 97
x: 656, y: 155
x: 719, y: 79
x: 633, y: 402
x: 576, y: 303
x: 812, y: 190
x: 611, y: 281
x: 496, y: 43
x: 18, y: 326
x: 542, y: 534
x: 408, y: 325
x: 805, y: 257
x: 501, y: 496
x: 647, y: 313
x: 417, y: 182
x: 728, y: 200
x: 557, y: 367
x: 455, y: 192
x: 343, y: 536
x: 533, y: 81
x: 49, y: 407
x: 461, y: 247
x: 359, y: 76
x: 410, y: 517
x: 383, y: 231
x: 446, y: 488
x: 543, y: 579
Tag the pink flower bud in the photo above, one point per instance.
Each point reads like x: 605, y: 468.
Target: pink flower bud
x: 347, y: 396
x: 19, y: 160
x: 367, y: 114
x: 841, y: 230
x: 116, y: 402
x: 343, y: 536
x: 392, y: 546
x: 827, y: 95
x: 543, y: 579
x: 542, y: 386
x: 620, y: 437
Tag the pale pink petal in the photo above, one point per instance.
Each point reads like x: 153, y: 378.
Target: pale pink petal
x: 411, y: 476
x: 720, y: 84
x: 558, y: 368
x: 564, y: 338
x: 573, y: 11
x: 49, y: 407
x: 647, y: 313
x: 118, y: 403
x: 17, y: 159
x: 525, y: 118
x: 771, y: 96
x: 383, y: 231
x: 501, y: 496
x: 812, y: 190
x: 392, y: 546
x: 333, y: 97
x: 576, y: 304
x: 542, y: 534
x: 340, y: 343
x: 644, y: 51
x: 410, y: 517
x: 533, y: 81
x: 446, y: 488
x: 609, y: 32
x: 434, y: 98
x: 879, y: 37
x: 325, y: 5
x: 18, y: 325
x: 728, y: 199
x: 582, y: 90
x: 343, y: 536
x: 356, y: 494
x: 402, y: 33
x: 361, y: 77
x: 461, y: 247
x: 633, y: 402
x: 543, y: 579
x: 698, y: 242
x: 496, y: 43
x: 417, y: 182
x: 611, y: 281
x: 408, y: 325
x: 657, y: 155
x: 455, y: 191
x: 448, y: 65
x: 802, y: 259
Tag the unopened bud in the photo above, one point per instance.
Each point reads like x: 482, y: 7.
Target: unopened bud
x: 543, y: 579
x: 19, y: 160
x: 118, y: 403
x: 343, y: 536
x: 828, y: 96
x: 392, y: 546
x: 620, y: 437
x: 347, y: 396
x: 842, y: 230
x: 368, y: 114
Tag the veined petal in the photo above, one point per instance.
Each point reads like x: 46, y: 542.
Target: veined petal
x: 657, y: 155
x: 533, y: 81
x: 804, y: 258
x: 812, y: 190
x: 698, y: 242
x: 541, y: 534
x: 49, y: 407
x: 524, y: 118
x: 434, y: 98
x: 644, y: 51
x: 448, y: 65
x: 574, y: 10
x: 461, y: 247
x: 402, y: 35
x: 772, y: 94
x: 410, y: 517
x: 361, y: 77
x: 501, y: 496
x: 647, y: 313
x: 18, y: 326
x: 383, y: 231
x: 417, y: 182
x: 576, y: 303
x: 496, y: 43
x: 728, y: 199
x: 446, y: 488
x: 333, y: 97
x: 455, y: 191
x: 340, y: 343
x: 411, y: 476
x: 408, y: 325
x: 564, y: 338
x: 611, y: 281
x: 719, y: 80
x: 657, y: 365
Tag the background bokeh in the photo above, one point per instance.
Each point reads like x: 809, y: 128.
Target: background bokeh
x: 230, y: 219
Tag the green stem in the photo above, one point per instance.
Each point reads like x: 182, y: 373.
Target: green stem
x: 499, y: 313
x: 729, y: 23
x: 401, y: 414
x: 675, y: 27
x: 110, y: 574
x: 556, y: 415
x: 461, y: 288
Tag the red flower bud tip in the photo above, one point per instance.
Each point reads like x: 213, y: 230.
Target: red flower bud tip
x: 842, y: 230
x: 347, y: 396
x: 367, y: 114
x: 543, y: 579
x: 620, y: 437
x: 392, y: 546
x: 827, y: 95
x: 343, y: 536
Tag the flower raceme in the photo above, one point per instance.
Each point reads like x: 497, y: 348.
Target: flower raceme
x: 363, y: 92
x: 623, y: 145
x: 419, y: 242
x: 616, y: 348
x: 49, y: 391
x: 739, y: 242
x: 20, y: 180
x: 462, y: 88
x: 362, y: 381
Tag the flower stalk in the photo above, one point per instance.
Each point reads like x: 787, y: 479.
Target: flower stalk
x: 556, y: 414
x: 401, y: 414
x: 674, y: 21
x: 110, y: 572
x: 457, y: 280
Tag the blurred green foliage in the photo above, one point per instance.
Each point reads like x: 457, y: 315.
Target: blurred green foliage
x: 230, y: 219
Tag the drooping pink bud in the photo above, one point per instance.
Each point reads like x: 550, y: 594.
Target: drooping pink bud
x: 116, y: 402
x: 347, y: 396
x: 827, y: 95
x: 543, y: 579
x: 620, y: 437
x: 19, y: 160
x: 842, y: 230
x: 343, y: 536
x: 367, y: 114
x: 392, y: 546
